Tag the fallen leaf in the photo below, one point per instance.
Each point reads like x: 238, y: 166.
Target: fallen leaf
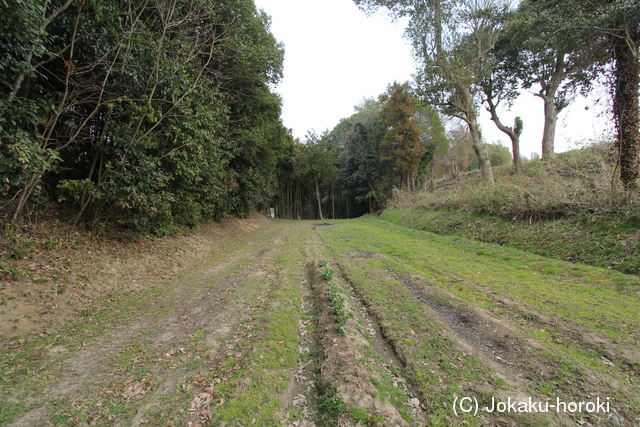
x: 607, y: 361
x: 504, y: 362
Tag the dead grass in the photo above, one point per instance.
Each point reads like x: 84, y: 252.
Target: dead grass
x: 55, y: 274
x: 573, y: 183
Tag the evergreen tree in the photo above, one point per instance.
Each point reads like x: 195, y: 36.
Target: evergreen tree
x: 400, y: 149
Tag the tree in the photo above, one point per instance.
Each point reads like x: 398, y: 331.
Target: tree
x: 458, y: 156
x: 357, y: 140
x: 144, y: 113
x: 451, y: 40
x: 513, y: 132
x: 551, y: 57
x: 620, y: 22
x: 433, y: 138
x: 26, y: 46
x: 317, y: 165
x: 500, y: 86
x: 400, y: 149
x: 582, y: 38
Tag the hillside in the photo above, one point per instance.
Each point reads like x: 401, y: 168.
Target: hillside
x: 570, y: 207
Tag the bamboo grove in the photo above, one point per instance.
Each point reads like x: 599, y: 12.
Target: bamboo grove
x: 389, y: 142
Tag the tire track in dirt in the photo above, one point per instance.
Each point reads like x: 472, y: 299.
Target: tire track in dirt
x: 208, y: 304
x: 358, y: 366
x: 495, y: 341
x: 497, y: 327
x: 510, y: 353
x: 300, y: 396
x: 524, y: 363
x: 498, y: 345
x: 224, y: 332
x: 300, y: 399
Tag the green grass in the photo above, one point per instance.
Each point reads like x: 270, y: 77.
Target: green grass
x: 253, y: 391
x: 476, y: 273
x: 582, y: 294
x: 330, y: 406
x: 571, y: 238
x: 551, y: 304
x: 26, y: 377
x: 337, y: 305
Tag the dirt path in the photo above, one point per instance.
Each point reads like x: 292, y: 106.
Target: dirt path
x: 350, y: 323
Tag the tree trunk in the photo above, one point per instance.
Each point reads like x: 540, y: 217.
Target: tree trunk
x: 552, y: 107
x: 625, y: 107
x: 348, y: 208
x: 34, y: 177
x: 333, y: 204
x: 484, y: 161
x: 471, y: 116
x: 515, y: 148
x: 319, y: 200
x: 289, y: 199
x: 549, y: 130
x: 513, y: 133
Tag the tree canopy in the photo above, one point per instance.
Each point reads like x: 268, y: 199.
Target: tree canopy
x: 145, y: 113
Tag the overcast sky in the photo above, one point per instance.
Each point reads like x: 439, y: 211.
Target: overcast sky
x: 336, y: 55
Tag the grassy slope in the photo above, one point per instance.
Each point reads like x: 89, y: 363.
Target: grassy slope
x: 599, y: 242
x: 568, y: 208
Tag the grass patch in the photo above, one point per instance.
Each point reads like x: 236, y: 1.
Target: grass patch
x: 252, y: 392
x: 583, y: 297
x: 567, y: 208
x: 337, y: 305
x: 32, y: 364
x: 569, y: 238
x: 330, y: 405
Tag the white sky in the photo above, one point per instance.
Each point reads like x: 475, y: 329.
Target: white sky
x: 335, y: 56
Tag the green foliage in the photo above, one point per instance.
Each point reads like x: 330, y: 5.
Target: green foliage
x: 339, y: 311
x: 51, y: 243
x: 356, y: 165
x: 433, y: 138
x: 356, y: 168
x: 330, y: 406
x: 140, y: 114
x: 400, y: 148
x: 327, y: 273
x: 499, y: 155
x: 310, y: 167
x: 360, y: 169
